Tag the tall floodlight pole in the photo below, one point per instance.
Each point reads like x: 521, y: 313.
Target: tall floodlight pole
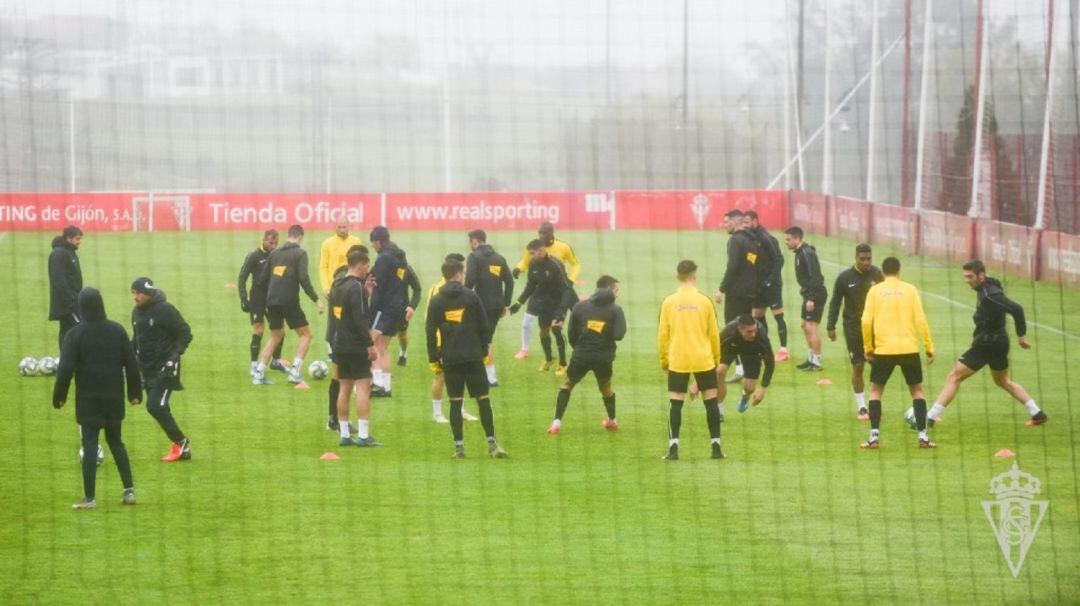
x: 980, y: 114
x: 875, y: 30
x: 826, y: 160
x: 1044, y: 160
x: 920, y: 150
x: 447, y: 160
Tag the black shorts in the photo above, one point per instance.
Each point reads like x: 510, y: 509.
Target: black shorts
x: 533, y: 307
x: 279, y: 315
x: 819, y: 308
x: 387, y: 322
x: 881, y: 368
x: 855, y: 350
x: 771, y: 296
x: 546, y: 315
x: 403, y: 326
x: 257, y: 309
x: 579, y: 368
x: 735, y: 306
x: 353, y: 366
x: 679, y: 382
x: 751, y: 364
x: 981, y: 353
x: 471, y: 375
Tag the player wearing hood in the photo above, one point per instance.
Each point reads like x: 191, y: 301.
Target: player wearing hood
x: 487, y: 273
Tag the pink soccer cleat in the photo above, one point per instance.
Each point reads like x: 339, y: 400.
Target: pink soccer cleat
x: 781, y: 356
x: 554, y: 429
x: 610, y: 425
x: 521, y: 355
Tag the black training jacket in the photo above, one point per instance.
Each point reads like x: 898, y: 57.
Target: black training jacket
x: 991, y: 309
x: 548, y: 284
x: 98, y: 355
x: 390, y: 271
x: 771, y: 264
x: 487, y: 273
x: 159, y: 334
x: 458, y: 316
x: 850, y: 290
x: 808, y: 273
x: 594, y: 327
x: 353, y: 332
x: 732, y: 345
x: 412, y: 286
x: 335, y: 306
x: 254, y: 266
x: 65, y: 279
x: 287, y: 272
x: 742, y: 278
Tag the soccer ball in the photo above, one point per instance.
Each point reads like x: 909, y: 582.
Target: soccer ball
x: 909, y: 418
x: 28, y: 366
x: 47, y: 365
x: 318, y: 369
x: 100, y: 455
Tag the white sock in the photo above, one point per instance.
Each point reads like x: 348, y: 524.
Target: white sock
x: 860, y: 400
x: 738, y: 369
x: 923, y: 436
x: 376, y: 377
x: 343, y: 427
x: 260, y: 369
x: 720, y: 405
x: 491, y: 374
x: 362, y: 428
x: 935, y: 411
x: 1032, y: 407
x: 716, y: 440
x: 386, y: 380
x: 436, y: 407
x: 557, y: 423
x: 873, y: 434
x: 254, y: 365
x: 404, y: 353
x: 297, y: 363
x: 783, y: 350
x: 526, y: 330
x: 459, y: 442
x: 816, y: 357
x: 673, y: 442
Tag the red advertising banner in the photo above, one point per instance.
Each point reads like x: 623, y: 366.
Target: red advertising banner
x: 895, y: 225
x: 500, y: 211
x: 946, y: 236
x: 1005, y: 246
x: 849, y: 218
x: 696, y: 210
x: 809, y: 211
x: 215, y: 212
x: 53, y: 212
x: 1060, y: 254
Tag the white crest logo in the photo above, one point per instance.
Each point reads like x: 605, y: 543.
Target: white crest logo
x: 1014, y: 514
x: 700, y: 207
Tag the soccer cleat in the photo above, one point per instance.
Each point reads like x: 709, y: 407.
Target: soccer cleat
x: 717, y: 452
x: 672, y: 453
x: 346, y: 442
x: 261, y: 380
x: 735, y: 378
x: 174, y: 454
x: 870, y: 444
x: 926, y: 444
x: 85, y: 504
x: 781, y: 356
x: 332, y: 424
x: 930, y: 422
x: 495, y: 452
x: 279, y: 365
x: 864, y: 414
x: 295, y: 378
x: 1038, y: 419
x: 804, y: 365
x: 521, y: 355
x: 440, y: 419
x: 493, y: 383
x: 401, y: 361
x: 561, y: 370
x: 810, y: 367
x: 744, y: 403
x: 378, y: 391
x: 554, y: 429
x: 610, y: 425
x: 129, y: 497
x: 368, y: 442
x: 254, y: 369
x: 185, y: 450
x: 459, y: 451
x: 467, y: 417
x: 546, y: 366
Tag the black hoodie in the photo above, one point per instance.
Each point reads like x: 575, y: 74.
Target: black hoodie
x: 548, y: 285
x: 595, y: 325
x: 160, y: 335
x: 458, y: 316
x: 65, y: 279
x: 98, y: 354
x: 352, y: 332
x: 743, y: 277
x: 808, y: 273
x: 335, y: 308
x: 391, y: 271
x: 990, y: 313
x: 286, y: 272
x: 487, y: 273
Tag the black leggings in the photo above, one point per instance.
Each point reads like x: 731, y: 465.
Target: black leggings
x: 89, y: 462
x: 157, y: 404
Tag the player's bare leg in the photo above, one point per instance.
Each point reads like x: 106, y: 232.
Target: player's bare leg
x: 276, y: 336
x: 1017, y: 391
x: 362, y: 387
x: 344, y: 394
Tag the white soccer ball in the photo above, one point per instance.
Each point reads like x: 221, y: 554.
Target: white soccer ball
x: 28, y: 366
x: 100, y: 455
x: 47, y: 365
x: 909, y: 418
x: 318, y: 369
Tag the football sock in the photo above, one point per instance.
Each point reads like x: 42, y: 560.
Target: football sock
x: 490, y: 368
x: 712, y: 418
x: 675, y: 418
x: 561, y: 402
x: 526, y: 330
x: 875, y: 415
x: 343, y: 428
x: 297, y: 363
x: 386, y: 376
x: 436, y: 407
x: 919, y: 405
x: 860, y: 401
x: 923, y: 436
x: 256, y: 345
x: 487, y: 419
x: 404, y: 352
x: 1032, y: 407
x: 545, y: 342
x: 873, y: 435
x: 557, y: 422
x: 781, y: 329
x: 260, y: 369
x: 456, y: 420
x: 936, y: 411
x: 333, y: 393
x: 560, y: 341
x: 376, y: 377
x: 277, y: 350
x: 609, y: 406
x: 362, y: 428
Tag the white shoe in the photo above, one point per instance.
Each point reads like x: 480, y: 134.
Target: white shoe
x: 467, y: 416
x: 440, y: 419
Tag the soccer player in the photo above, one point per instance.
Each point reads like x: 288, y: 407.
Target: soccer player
x: 688, y: 339
x: 891, y: 319
x: 255, y: 306
x: 555, y: 248
x: 334, y: 252
x: 98, y: 354
x: 745, y: 338
x: 334, y: 388
x: 487, y: 273
x: 596, y: 324
x: 457, y: 342
x: 354, y: 351
x: 742, y: 278
x: 412, y: 283
x: 812, y: 288
x: 990, y: 345
x: 389, y: 305
x: 771, y: 295
x: 550, y: 294
x: 160, y: 335
x: 438, y: 381
x: 65, y: 280
x: 286, y: 271
x: 850, y: 291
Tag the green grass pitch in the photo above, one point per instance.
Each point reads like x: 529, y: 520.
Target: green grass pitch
x: 797, y: 513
